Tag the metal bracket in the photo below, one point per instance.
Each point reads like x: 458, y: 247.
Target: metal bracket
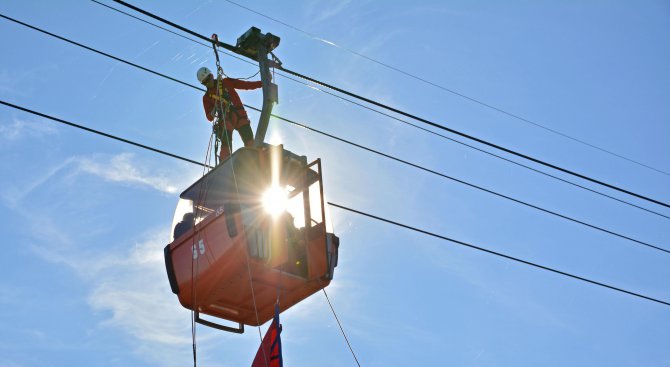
x: 238, y: 330
x: 270, y: 94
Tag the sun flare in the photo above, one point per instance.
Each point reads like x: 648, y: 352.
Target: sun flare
x: 275, y: 200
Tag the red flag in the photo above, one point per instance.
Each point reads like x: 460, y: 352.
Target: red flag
x: 269, y: 353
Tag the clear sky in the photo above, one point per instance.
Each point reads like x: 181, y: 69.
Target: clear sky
x: 85, y: 219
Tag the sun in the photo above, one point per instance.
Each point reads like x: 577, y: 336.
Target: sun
x: 275, y: 200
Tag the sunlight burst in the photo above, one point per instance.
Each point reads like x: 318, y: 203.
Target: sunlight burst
x: 275, y: 200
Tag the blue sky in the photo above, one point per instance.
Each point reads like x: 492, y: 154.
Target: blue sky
x: 85, y: 218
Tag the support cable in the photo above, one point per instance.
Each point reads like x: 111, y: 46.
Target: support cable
x: 103, y: 134
x: 153, y: 24
x: 411, y: 116
x: 222, y: 114
x: 371, y: 151
x: 405, y: 162
x: 508, y: 257
x: 346, y: 339
x: 485, y: 152
x: 473, y: 138
x: 365, y: 214
x: 340, y: 325
x: 471, y: 184
x: 454, y: 92
x: 195, y: 259
x: 93, y: 50
x: 334, y: 95
x: 177, y: 34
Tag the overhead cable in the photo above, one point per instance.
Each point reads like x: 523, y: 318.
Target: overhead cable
x: 352, y: 210
x: 454, y: 92
x: 358, y: 146
x: 399, y: 119
x: 92, y: 49
x: 153, y: 24
x: 103, y: 134
x: 478, y: 248
x: 396, y: 158
x: 473, y: 138
x: 346, y: 339
x: 409, y: 115
x: 414, y: 165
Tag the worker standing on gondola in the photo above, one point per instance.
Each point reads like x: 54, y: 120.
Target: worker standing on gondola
x: 233, y: 116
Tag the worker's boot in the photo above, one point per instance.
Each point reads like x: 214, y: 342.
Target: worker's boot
x: 224, y: 154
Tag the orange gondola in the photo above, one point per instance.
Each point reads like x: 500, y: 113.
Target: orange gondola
x: 249, y: 233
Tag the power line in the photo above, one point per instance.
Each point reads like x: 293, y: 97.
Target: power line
x: 412, y: 116
x: 353, y: 210
x: 103, y: 134
x: 93, y: 50
x: 481, y: 141
x: 478, y: 248
x: 209, y: 46
x: 147, y: 22
x: 399, y: 119
x: 386, y: 155
x: 469, y: 184
x: 361, y: 147
x: 183, y: 29
x: 482, y: 150
x: 346, y: 208
x: 454, y: 92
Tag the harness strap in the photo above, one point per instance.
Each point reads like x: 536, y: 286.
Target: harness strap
x: 227, y: 102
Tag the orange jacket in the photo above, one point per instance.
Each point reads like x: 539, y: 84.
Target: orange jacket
x: 236, y: 115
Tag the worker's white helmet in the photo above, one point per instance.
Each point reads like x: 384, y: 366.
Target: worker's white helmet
x: 203, y: 72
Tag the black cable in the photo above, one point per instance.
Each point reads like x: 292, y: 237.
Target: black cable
x: 208, y: 45
x: 102, y: 133
x: 343, y: 207
x: 406, y: 114
x: 358, y: 146
x: 470, y: 137
x: 92, y: 49
x: 176, y: 34
x: 497, y: 253
x: 400, y: 120
x: 479, y: 149
x: 373, y: 151
x: 183, y: 29
x: 467, y: 183
x: 426, y: 81
x: 340, y: 325
x: 334, y: 204
x: 155, y: 25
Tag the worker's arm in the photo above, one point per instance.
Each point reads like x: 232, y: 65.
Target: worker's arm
x: 208, y: 103
x: 242, y: 84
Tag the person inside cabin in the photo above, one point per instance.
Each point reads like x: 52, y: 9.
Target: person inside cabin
x: 233, y: 116
x: 297, y: 252
x: 186, y: 223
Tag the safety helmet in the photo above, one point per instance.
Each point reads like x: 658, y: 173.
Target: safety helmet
x: 202, y: 74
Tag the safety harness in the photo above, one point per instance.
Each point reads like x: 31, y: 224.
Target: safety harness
x: 224, y: 103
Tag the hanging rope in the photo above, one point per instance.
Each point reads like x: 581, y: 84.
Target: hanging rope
x: 340, y: 325
x: 337, y: 318
x: 194, y: 251
x: 223, y: 105
x: 223, y: 112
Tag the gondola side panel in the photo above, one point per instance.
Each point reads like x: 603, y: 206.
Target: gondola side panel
x: 201, y: 259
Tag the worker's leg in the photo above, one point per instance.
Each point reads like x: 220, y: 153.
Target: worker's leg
x: 246, y: 134
x: 226, y: 145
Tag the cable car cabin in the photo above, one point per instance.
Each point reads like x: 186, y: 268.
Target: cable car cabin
x: 251, y: 231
